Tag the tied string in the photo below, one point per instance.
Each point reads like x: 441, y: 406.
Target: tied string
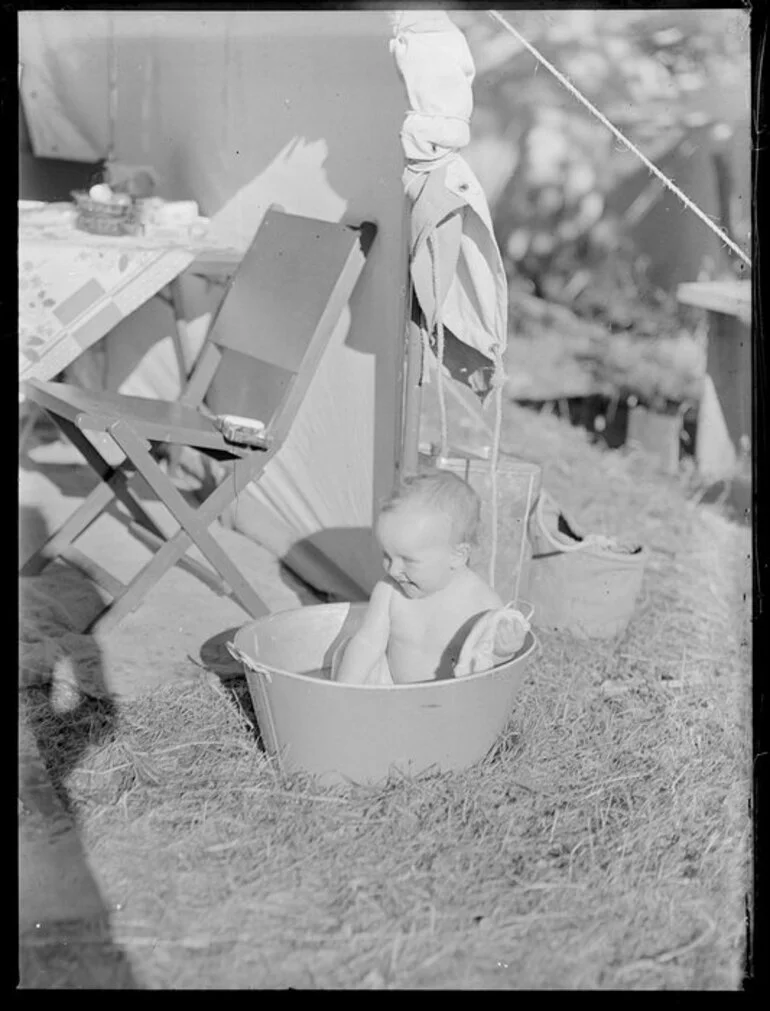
x: 433, y: 241
x: 498, y: 382
x: 565, y: 82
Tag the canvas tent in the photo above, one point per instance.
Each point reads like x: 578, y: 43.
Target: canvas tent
x: 316, y: 112
x: 241, y: 110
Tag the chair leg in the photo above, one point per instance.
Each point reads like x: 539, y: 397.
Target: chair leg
x: 27, y: 428
x: 72, y: 528
x: 241, y: 474
x: 194, y: 527
x: 177, y: 305
x: 115, y: 477
x: 191, y: 565
x: 115, y: 485
x: 137, y: 589
x: 163, y: 560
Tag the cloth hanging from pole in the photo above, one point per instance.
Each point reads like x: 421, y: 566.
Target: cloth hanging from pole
x: 447, y: 200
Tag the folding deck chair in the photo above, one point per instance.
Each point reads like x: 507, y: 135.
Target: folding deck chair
x: 260, y: 354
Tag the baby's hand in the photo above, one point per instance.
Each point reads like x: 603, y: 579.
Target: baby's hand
x: 510, y: 633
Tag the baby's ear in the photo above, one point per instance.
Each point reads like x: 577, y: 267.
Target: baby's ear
x: 462, y: 552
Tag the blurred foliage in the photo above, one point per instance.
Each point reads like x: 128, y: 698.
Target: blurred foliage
x: 664, y: 374
x: 658, y: 75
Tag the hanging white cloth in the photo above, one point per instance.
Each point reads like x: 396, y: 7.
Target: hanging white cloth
x: 448, y: 203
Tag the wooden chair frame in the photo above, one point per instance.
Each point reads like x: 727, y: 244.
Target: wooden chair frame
x: 137, y: 424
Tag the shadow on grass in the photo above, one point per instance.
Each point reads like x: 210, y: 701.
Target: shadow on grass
x: 65, y: 939
x: 215, y: 657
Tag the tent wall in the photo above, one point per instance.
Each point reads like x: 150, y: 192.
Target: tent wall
x: 241, y: 110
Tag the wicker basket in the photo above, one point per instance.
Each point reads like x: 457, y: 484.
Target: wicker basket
x: 576, y: 586
x: 105, y: 219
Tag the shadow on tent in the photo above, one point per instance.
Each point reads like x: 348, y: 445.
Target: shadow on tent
x: 209, y: 160
x: 314, y: 553
x: 297, y: 147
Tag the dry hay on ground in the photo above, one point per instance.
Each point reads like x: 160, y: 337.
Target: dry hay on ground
x: 602, y: 845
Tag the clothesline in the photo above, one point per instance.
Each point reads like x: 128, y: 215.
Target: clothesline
x: 496, y: 16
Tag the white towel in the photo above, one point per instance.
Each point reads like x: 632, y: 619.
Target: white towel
x: 448, y: 201
x: 496, y: 637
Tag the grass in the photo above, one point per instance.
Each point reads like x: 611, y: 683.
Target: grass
x: 602, y: 845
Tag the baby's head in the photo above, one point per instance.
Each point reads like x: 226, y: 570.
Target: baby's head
x: 426, y: 530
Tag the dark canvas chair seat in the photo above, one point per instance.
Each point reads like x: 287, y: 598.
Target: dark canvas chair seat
x: 263, y: 347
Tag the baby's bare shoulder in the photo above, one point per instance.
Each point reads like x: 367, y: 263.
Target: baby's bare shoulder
x: 477, y: 589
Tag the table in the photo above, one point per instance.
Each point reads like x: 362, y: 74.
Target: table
x: 75, y: 287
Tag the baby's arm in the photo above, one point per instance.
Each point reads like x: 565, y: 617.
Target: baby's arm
x: 369, y: 643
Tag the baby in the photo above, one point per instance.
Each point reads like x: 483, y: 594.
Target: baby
x: 420, y: 614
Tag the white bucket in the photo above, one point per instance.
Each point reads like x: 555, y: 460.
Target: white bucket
x: 361, y: 733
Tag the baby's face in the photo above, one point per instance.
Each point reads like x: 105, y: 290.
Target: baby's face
x: 417, y: 549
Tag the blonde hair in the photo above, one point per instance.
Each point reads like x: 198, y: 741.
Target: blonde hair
x: 446, y: 494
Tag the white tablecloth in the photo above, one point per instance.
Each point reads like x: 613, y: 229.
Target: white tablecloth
x: 74, y: 287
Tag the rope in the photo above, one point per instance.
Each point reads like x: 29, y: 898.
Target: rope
x: 524, y: 537
x: 427, y: 353
x: 499, y: 381
x: 439, y: 346
x: 496, y: 16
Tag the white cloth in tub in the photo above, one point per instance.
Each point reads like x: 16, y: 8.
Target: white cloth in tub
x: 478, y: 652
